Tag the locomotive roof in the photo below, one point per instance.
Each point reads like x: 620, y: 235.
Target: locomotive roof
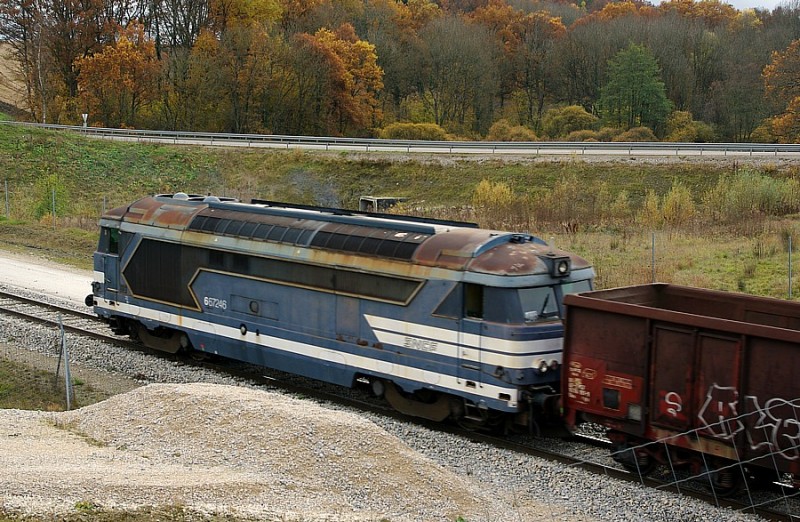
x: 439, y: 243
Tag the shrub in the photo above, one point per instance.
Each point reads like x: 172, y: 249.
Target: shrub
x: 682, y: 128
x: 559, y: 122
x: 502, y: 130
x: 493, y: 203
x: 763, y: 133
x: 621, y: 207
x: 582, y: 135
x: 608, y: 133
x: 51, y: 189
x: 650, y: 213
x: 678, y: 206
x: 413, y: 131
x: 750, y: 194
x: 637, y: 134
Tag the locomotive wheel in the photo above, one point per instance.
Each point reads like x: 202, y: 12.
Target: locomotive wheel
x: 428, y: 405
x: 495, y: 422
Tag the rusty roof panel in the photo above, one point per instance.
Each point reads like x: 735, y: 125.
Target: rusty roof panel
x: 451, y: 247
x: 150, y: 211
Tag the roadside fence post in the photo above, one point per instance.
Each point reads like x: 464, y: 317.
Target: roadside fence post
x: 64, y: 353
x: 653, y: 255
x: 8, y: 214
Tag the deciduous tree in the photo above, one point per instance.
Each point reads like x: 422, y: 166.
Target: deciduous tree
x: 116, y: 82
x: 782, y: 81
x: 458, y: 82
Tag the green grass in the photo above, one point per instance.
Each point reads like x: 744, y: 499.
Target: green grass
x: 70, y: 246
x: 23, y: 387
x: 91, y: 174
x: 91, y: 171
x: 88, y: 510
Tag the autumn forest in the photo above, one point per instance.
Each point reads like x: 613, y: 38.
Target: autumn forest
x: 453, y: 69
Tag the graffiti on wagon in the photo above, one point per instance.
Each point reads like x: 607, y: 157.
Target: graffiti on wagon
x: 773, y: 426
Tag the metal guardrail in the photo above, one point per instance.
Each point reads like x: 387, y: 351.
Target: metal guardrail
x: 410, y: 146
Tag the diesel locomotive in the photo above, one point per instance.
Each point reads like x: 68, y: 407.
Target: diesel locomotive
x: 443, y: 319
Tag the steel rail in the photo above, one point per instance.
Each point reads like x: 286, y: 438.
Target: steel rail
x: 537, y: 148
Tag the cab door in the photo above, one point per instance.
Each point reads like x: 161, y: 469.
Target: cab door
x: 470, y: 337
x: 108, y: 249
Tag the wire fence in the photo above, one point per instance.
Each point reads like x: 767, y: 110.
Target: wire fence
x: 763, y: 442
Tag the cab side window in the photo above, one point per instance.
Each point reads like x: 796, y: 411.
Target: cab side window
x: 109, y: 240
x: 473, y: 301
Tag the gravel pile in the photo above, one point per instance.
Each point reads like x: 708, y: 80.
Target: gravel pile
x: 231, y: 449
x: 234, y: 450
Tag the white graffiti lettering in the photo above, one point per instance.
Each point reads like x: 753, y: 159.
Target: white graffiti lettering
x: 773, y: 428
x: 674, y: 403
x: 777, y: 427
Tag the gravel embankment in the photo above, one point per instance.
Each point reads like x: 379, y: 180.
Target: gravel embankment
x: 235, y: 450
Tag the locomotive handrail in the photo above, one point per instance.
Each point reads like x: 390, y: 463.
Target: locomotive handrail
x: 423, y: 146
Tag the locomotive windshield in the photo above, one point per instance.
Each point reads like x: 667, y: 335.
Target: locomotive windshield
x: 543, y: 303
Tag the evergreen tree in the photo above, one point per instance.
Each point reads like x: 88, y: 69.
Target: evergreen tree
x: 634, y: 96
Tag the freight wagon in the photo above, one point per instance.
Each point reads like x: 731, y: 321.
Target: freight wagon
x: 707, y: 379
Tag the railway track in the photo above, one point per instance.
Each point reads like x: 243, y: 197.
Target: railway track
x: 779, y: 506
x: 75, y: 321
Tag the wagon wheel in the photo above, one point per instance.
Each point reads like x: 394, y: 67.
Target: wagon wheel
x: 635, y: 460
x: 726, y: 480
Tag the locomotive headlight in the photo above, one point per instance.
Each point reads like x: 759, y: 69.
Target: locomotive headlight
x: 562, y: 267
x: 554, y: 365
x: 543, y: 367
x: 559, y: 266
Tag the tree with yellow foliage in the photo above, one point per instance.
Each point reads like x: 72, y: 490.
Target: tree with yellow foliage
x: 117, y: 82
x: 782, y: 81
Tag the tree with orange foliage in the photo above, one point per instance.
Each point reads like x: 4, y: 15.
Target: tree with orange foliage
x: 338, y: 79
x: 115, y: 83
x: 295, y: 13
x: 228, y: 13
x: 782, y: 81
x: 614, y: 10
x: 507, y: 24
x: 713, y: 12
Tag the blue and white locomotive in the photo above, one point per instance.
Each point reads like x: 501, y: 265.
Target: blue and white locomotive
x: 443, y: 319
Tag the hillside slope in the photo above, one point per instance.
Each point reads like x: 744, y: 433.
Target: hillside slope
x: 12, y: 90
